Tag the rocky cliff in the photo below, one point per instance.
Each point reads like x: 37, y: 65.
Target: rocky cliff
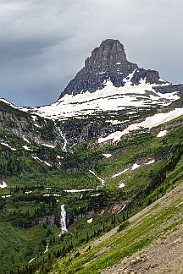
x: 109, y: 62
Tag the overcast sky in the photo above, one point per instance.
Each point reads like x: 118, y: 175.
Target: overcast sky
x: 44, y: 43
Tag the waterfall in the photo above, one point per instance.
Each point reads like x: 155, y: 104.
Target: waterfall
x: 65, y: 140
x: 31, y: 260
x: 46, y: 248
x: 102, y: 181
x: 63, y: 137
x: 62, y: 220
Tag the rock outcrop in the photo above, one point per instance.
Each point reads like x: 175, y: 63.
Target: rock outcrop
x: 107, y: 62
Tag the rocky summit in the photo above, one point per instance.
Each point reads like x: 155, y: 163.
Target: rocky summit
x: 109, y: 82
x: 109, y: 62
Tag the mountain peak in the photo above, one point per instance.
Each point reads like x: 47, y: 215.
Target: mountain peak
x: 110, y: 52
x: 107, y: 62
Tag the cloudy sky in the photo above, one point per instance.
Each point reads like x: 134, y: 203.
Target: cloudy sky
x: 44, y: 43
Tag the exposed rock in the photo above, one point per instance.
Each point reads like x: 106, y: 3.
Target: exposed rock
x: 177, y: 104
x: 133, y: 261
x: 25, y: 125
x: 109, y: 62
x: 126, y: 272
x: 150, y: 76
x: 170, y: 88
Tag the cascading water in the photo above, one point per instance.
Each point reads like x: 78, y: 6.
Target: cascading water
x: 31, y: 260
x: 63, y: 137
x: 62, y: 220
x: 100, y: 179
x: 46, y: 248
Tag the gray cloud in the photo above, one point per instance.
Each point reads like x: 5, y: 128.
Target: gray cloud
x: 44, y: 43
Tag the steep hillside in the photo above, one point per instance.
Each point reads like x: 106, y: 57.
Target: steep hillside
x: 100, y: 185
x: 156, y: 229
x: 26, y: 126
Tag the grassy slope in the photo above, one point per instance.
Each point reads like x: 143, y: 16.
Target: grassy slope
x: 156, y: 221
x: 119, y: 246
x: 19, y: 246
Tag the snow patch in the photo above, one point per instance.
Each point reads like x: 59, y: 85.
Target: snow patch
x: 8, y: 103
x: 149, y: 122
x: 6, y: 196
x: 50, y: 194
x: 37, y: 158
x: 90, y: 221
x: 28, y: 192
x: 26, y: 148
x: 135, y: 166
x: 162, y: 133
x: 100, y: 179
x: 150, y: 162
x: 108, y: 98
x: 31, y: 260
x: 77, y: 190
x: 121, y: 185
x: 115, y: 136
x: 25, y: 139
x: 118, y: 174
x: 107, y: 155
x: 6, y: 145
x: 47, y: 145
x: 36, y: 125
x: 113, y: 122
x: 3, y: 185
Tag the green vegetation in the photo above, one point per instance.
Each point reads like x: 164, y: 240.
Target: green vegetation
x: 39, y: 177
x: 19, y: 246
x: 124, y: 243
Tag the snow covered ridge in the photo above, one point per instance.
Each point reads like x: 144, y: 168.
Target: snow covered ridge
x: 149, y: 122
x: 108, y: 98
x: 8, y: 103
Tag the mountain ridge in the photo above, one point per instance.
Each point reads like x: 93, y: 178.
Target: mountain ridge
x: 108, y: 81
x: 109, y: 62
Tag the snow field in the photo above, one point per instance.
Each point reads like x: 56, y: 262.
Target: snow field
x: 148, y: 123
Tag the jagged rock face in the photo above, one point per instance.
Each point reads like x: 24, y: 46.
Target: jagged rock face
x: 170, y: 88
x: 151, y: 76
x: 109, y: 53
x: 23, y: 125
x: 108, y: 81
x: 108, y: 61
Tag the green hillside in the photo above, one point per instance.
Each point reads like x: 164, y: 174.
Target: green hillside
x: 101, y: 195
